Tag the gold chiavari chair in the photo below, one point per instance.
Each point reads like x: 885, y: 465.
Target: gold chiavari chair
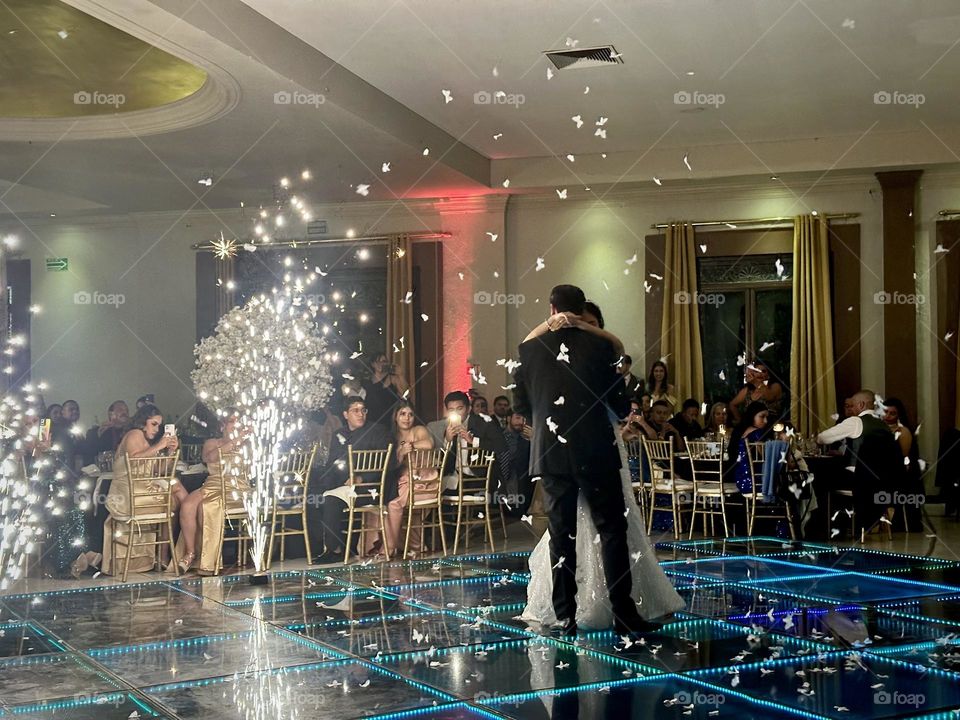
x: 474, y: 472
x: 635, y: 459
x: 756, y: 507
x: 368, y: 478
x: 149, y: 504
x: 291, y: 477
x: 710, y: 492
x: 425, y: 495
x: 234, y: 487
x: 665, y: 483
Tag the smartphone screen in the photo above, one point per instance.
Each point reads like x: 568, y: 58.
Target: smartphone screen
x: 170, y: 430
x: 43, y: 430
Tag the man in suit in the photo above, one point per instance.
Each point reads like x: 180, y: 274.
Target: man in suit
x: 565, y: 384
x: 469, y: 430
x: 634, y: 385
x: 326, y: 502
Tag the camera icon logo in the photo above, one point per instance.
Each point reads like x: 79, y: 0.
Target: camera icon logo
x: 282, y: 97
x: 882, y: 97
x: 881, y: 697
x: 482, y: 297
x: 882, y: 498
x: 682, y: 97
x: 82, y: 97
x: 682, y: 297
x: 82, y: 297
x: 881, y: 297
x: 683, y: 698
x: 482, y: 97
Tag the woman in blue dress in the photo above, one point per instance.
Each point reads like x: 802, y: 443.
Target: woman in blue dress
x: 751, y: 428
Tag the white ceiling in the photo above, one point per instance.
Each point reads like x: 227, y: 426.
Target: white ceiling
x: 798, y: 79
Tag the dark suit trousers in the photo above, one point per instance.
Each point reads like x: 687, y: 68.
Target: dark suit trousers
x: 604, y: 497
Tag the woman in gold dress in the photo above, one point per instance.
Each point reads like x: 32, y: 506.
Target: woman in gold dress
x: 202, y: 513
x: 144, y: 440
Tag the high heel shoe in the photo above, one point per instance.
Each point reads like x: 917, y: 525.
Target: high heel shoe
x: 78, y: 566
x: 185, y: 562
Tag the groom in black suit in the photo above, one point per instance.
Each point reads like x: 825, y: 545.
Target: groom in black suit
x: 566, y: 382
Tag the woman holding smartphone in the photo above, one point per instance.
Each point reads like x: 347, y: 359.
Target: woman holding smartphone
x: 383, y: 390
x: 146, y: 439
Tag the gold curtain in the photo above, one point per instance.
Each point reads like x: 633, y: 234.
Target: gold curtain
x: 400, y: 348
x: 956, y: 339
x: 812, y: 387
x: 680, y: 321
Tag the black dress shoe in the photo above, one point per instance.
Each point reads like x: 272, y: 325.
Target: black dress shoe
x: 635, y: 626
x: 564, y: 628
x: 335, y: 556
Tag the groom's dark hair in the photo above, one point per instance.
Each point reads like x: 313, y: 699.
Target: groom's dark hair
x: 567, y: 298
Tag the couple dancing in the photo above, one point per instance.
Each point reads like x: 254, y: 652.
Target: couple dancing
x: 595, y: 566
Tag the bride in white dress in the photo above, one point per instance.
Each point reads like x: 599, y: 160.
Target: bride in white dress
x: 651, y: 588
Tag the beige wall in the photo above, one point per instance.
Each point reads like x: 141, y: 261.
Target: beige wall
x: 98, y: 352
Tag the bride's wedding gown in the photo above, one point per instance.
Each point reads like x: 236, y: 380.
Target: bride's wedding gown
x: 651, y: 588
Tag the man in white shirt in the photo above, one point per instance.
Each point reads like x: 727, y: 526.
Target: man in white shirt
x: 877, y: 460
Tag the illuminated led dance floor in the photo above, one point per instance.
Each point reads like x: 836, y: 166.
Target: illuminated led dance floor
x: 770, y: 630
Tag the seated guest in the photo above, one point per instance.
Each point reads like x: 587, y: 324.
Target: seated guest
x: 108, y: 435
x: 896, y: 418
x: 62, y: 432
x: 202, y: 512
x: 716, y: 419
x: 518, y: 437
x: 657, y: 426
x: 686, y: 422
x: 502, y: 411
x: 659, y: 387
x: 330, y: 487
x: 633, y: 384
x: 758, y: 388
x: 479, y: 405
x: 145, y: 439
x: 409, y: 436
x: 468, y: 430
x: 751, y: 428
x: 876, y: 457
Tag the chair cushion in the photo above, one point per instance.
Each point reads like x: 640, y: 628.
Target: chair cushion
x: 680, y: 485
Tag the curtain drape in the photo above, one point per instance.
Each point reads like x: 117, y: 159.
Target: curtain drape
x: 680, y: 321
x: 812, y: 387
x: 400, y: 348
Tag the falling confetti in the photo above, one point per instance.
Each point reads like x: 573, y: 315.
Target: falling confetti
x: 447, y: 97
x: 493, y: 236
x: 540, y: 264
x: 686, y: 161
x: 562, y: 194
x: 385, y: 167
x: 363, y: 189
x: 941, y: 249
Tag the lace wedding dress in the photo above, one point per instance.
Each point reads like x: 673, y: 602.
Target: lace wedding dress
x: 651, y: 589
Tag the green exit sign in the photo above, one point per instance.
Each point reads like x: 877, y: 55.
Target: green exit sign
x: 57, y: 264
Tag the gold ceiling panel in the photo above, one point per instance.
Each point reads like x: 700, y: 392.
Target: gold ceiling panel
x: 57, y: 62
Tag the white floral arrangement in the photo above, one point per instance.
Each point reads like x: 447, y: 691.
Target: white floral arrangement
x: 268, y: 349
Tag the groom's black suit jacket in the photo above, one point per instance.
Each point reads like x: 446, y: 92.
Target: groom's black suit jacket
x: 588, y: 383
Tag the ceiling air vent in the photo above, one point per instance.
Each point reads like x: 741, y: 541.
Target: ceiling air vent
x: 576, y: 58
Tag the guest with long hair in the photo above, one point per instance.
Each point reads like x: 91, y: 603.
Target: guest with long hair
x: 409, y: 436
x: 659, y: 387
x: 751, y: 428
x: 145, y: 439
x: 716, y: 418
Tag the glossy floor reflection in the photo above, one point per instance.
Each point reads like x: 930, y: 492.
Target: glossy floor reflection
x: 771, y: 629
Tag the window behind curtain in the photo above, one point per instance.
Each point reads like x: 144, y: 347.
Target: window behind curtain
x: 744, y: 305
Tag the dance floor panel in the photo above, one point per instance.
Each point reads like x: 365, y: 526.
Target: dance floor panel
x: 771, y: 629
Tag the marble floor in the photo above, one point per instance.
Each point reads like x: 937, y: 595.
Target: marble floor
x: 771, y: 628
